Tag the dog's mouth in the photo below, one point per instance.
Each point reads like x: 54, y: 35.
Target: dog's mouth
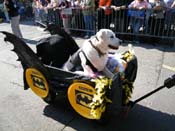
x: 113, y: 47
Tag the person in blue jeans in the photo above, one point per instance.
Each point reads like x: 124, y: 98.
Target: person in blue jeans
x: 88, y: 10
x: 137, y: 13
x: 170, y: 15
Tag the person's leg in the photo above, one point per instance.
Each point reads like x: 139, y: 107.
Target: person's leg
x: 107, y: 21
x: 131, y: 23
x: 86, y: 25
x: 100, y: 18
x: 91, y: 25
x: 15, y: 26
x: 6, y: 16
x: 66, y: 24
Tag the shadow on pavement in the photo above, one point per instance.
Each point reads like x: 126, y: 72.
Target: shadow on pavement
x: 140, y: 118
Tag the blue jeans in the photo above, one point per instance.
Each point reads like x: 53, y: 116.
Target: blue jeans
x: 170, y: 17
x: 136, y: 23
x: 89, y: 24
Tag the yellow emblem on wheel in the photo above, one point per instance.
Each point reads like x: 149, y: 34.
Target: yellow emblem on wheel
x: 80, y: 96
x: 37, y: 82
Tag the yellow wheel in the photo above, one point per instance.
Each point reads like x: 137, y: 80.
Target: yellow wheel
x: 37, y: 82
x: 80, y: 96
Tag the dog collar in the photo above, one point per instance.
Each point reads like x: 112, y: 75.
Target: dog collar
x: 98, y: 50
x: 97, y: 38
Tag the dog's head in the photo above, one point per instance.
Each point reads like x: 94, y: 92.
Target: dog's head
x: 107, y: 40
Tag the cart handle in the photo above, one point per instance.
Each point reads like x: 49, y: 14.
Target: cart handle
x: 169, y: 82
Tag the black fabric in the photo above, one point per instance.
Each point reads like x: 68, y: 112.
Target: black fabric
x: 12, y: 8
x: 76, y: 61
x: 103, y: 20
x: 115, y: 94
x: 121, y: 2
x: 131, y: 70
x: 56, y: 49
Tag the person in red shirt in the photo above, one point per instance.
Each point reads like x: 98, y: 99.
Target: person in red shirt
x: 104, y: 14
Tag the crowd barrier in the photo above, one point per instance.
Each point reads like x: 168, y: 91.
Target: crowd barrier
x: 122, y: 22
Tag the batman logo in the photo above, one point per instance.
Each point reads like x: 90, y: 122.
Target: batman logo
x: 83, y: 99
x: 38, y: 82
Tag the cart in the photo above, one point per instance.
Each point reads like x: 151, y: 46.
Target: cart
x: 90, y: 97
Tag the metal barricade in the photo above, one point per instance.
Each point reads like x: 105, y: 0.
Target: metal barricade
x: 122, y: 22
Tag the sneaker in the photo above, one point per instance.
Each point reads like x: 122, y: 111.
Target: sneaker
x: 141, y: 28
x: 129, y: 27
x: 172, y: 26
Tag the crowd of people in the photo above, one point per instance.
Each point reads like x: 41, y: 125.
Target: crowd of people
x: 88, y: 14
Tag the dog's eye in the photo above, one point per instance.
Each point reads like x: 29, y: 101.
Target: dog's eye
x: 112, y: 36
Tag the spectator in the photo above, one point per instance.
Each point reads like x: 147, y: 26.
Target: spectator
x: 170, y: 15
x: 104, y: 14
x: 4, y: 10
x: 28, y: 6
x: 54, y: 14
x: 118, y: 15
x: 88, y: 7
x: 137, y: 13
x: 43, y: 11
x: 21, y: 9
x: 77, y: 18
x: 157, y: 17
x: 36, y: 10
x: 66, y: 13
x: 14, y: 17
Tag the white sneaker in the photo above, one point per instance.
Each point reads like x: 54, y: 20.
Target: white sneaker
x: 141, y: 28
x: 129, y: 27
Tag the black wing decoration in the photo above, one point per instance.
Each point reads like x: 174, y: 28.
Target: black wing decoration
x: 26, y: 55
x: 29, y: 59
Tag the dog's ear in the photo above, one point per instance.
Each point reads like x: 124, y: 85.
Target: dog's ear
x: 100, y: 34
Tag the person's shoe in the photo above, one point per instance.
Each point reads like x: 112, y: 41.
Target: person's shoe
x: 129, y: 28
x: 172, y: 27
x: 141, y: 28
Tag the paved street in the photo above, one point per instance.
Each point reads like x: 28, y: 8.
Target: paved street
x: 23, y: 111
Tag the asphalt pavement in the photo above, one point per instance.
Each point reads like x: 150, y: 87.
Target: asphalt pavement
x: 23, y: 111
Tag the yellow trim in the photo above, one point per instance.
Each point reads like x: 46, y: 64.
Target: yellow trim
x: 37, y: 82
x: 80, y: 96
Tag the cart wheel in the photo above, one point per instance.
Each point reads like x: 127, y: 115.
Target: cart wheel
x: 50, y: 99
x: 39, y: 85
x: 80, y: 96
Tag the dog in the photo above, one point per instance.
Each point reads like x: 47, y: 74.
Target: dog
x: 93, y: 55
x: 56, y: 49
